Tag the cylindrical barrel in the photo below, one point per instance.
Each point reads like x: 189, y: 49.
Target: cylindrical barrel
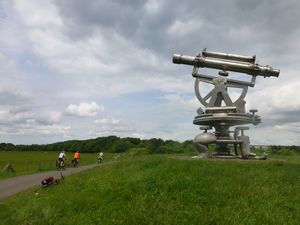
x: 240, y: 67
x: 184, y: 59
x: 221, y: 55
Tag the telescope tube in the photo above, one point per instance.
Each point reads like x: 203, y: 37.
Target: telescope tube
x: 235, y: 66
x: 234, y: 57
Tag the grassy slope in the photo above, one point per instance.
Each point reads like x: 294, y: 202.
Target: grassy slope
x: 160, y: 190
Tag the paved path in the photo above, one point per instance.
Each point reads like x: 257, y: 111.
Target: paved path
x: 14, y: 185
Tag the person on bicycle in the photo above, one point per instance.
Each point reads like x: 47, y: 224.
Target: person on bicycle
x: 76, y: 157
x: 62, y: 156
x: 100, y: 157
x: 61, y: 159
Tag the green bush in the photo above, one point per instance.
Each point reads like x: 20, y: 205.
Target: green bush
x: 122, y: 147
x: 284, y: 152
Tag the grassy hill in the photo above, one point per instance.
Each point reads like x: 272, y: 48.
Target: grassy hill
x: 160, y: 189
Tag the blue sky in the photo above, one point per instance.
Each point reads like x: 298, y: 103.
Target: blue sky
x: 83, y: 69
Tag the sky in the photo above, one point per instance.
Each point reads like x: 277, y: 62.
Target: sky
x: 83, y: 69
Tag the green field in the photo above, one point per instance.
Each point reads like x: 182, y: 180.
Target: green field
x: 163, y: 189
x: 33, y: 162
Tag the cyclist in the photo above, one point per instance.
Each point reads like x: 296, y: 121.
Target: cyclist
x: 100, y: 157
x: 75, y: 161
x: 62, y: 158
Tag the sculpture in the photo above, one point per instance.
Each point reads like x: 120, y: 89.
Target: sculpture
x: 220, y: 111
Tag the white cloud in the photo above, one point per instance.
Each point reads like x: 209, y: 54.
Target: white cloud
x: 293, y: 127
x: 182, y: 102
x: 55, y: 116
x: 20, y: 117
x: 8, y: 117
x: 37, y: 13
x: 84, y: 109
x: 152, y: 6
x: 138, y: 135
x: 112, y: 126
x: 107, y: 121
x: 271, y: 96
x: 54, y: 53
x: 51, y: 130
x: 181, y: 29
x: 26, y: 123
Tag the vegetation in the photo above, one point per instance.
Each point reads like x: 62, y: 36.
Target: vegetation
x: 114, y: 144
x: 157, y: 189
x: 111, y: 144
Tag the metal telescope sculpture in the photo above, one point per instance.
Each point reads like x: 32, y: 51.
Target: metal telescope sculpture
x: 220, y: 111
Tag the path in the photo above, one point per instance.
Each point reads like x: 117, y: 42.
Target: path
x: 14, y: 185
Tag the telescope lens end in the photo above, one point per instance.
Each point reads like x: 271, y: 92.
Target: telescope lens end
x: 273, y: 73
x: 277, y: 72
x: 177, y: 59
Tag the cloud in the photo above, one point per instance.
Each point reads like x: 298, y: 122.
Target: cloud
x: 289, y: 127
x: 8, y: 97
x: 107, y: 121
x: 51, y: 130
x: 119, y: 53
x: 112, y: 125
x: 48, y: 118
x: 138, y: 135
x: 182, y: 102
x: 26, y: 123
x: 84, y: 109
x: 55, y: 116
x: 9, y: 117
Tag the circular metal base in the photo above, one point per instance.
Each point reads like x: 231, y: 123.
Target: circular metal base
x: 230, y: 119
x: 201, y: 156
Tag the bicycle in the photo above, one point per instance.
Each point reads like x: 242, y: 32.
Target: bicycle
x: 60, y: 164
x: 49, y: 181
x: 75, y: 163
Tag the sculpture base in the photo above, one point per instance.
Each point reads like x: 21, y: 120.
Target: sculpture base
x: 217, y: 156
x: 225, y: 157
x: 221, y: 119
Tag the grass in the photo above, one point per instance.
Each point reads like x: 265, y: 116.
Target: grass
x: 33, y: 162
x: 156, y: 189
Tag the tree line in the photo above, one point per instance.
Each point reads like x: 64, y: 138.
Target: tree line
x: 114, y: 144
x: 111, y: 144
